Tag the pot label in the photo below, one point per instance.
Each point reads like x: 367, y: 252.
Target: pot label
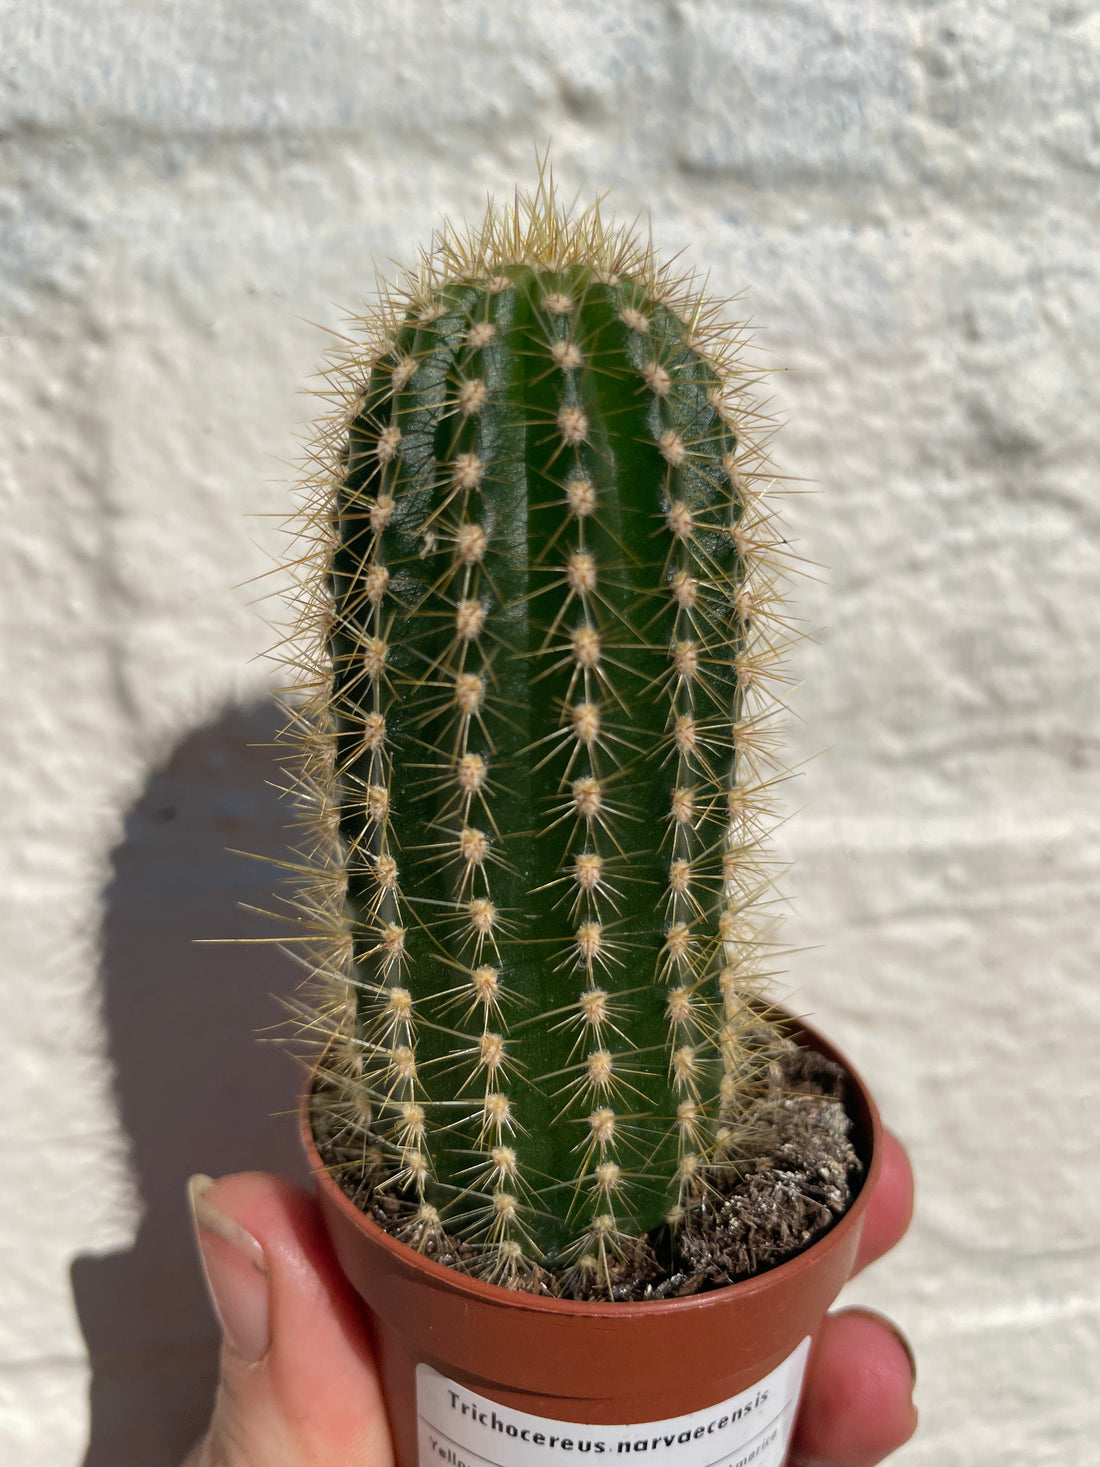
x: 459, y: 1428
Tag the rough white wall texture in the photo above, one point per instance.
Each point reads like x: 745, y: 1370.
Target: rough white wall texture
x: 908, y: 193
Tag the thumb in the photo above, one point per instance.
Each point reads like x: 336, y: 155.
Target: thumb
x: 298, y: 1383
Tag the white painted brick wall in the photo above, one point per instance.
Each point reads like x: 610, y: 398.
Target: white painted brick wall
x: 908, y: 194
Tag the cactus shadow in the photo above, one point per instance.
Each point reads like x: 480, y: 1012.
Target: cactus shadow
x: 195, y: 1090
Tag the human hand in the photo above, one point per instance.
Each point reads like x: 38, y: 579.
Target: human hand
x: 298, y: 1385
x: 857, y: 1405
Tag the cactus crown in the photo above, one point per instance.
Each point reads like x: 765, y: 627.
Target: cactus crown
x: 544, y: 637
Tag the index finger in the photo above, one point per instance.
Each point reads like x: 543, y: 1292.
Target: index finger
x: 890, y: 1206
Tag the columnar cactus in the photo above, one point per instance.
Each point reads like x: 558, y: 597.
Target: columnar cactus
x: 540, y: 746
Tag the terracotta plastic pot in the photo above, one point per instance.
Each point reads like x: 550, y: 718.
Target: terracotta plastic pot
x: 474, y: 1374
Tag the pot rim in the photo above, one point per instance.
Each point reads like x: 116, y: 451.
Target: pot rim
x: 861, y: 1109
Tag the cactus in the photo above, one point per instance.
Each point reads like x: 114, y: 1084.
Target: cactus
x: 540, y: 742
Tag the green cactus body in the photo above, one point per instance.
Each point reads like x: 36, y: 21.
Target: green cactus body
x: 547, y: 766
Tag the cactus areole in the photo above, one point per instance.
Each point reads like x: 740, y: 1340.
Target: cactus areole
x: 541, y: 746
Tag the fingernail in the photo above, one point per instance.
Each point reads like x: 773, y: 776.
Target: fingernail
x: 902, y: 1341
x: 906, y: 1346
x: 236, y: 1274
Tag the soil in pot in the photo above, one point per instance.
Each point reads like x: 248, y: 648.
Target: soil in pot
x: 800, y: 1180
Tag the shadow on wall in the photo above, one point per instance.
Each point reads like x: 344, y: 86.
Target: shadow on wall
x: 195, y: 1090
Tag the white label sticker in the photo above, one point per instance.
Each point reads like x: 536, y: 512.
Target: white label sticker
x: 459, y: 1428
